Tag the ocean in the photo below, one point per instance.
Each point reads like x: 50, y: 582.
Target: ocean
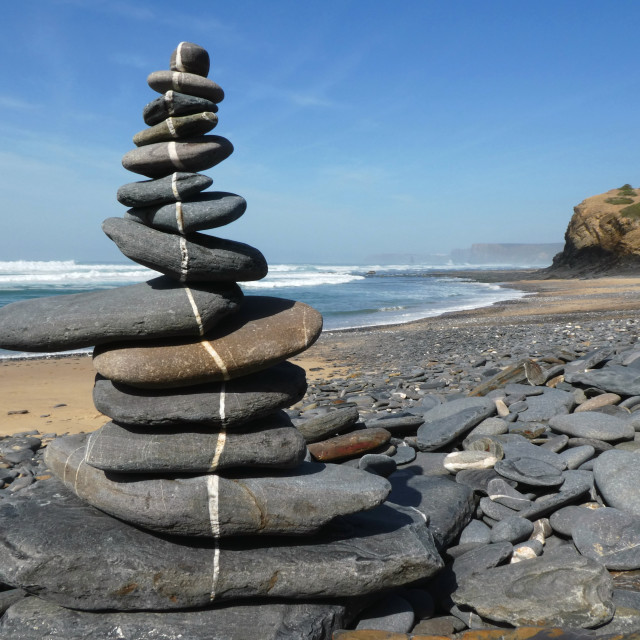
x: 348, y: 296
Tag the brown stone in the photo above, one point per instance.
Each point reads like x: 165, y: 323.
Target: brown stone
x: 349, y: 445
x: 603, y: 400
x: 264, y: 332
x: 369, y: 634
x: 521, y: 633
x: 525, y: 370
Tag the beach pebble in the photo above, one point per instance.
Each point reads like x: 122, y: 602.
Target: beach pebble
x: 512, y: 529
x: 530, y: 471
x: 617, y: 476
x: 173, y: 103
x: 177, y: 186
x: 392, y: 614
x: 175, y: 128
x: 190, y: 83
x: 594, y: 425
x: 459, y: 460
x: 190, y: 58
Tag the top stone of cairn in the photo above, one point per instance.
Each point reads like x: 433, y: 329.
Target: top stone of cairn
x: 190, y: 58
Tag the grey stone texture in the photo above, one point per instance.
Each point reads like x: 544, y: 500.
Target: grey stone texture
x: 179, y: 185
x: 174, y: 103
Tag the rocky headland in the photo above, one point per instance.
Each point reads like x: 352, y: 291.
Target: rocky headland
x: 603, y: 237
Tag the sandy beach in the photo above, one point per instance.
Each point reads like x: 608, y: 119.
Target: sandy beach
x: 54, y: 395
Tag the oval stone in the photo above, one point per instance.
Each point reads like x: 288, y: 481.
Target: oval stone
x: 207, y: 211
x: 178, y: 186
x: 270, y: 442
x: 200, y: 258
x: 227, y: 404
x: 163, y: 158
x: 177, y: 127
x: 189, y: 83
x: 158, y: 308
x: 264, y: 332
x: 349, y: 444
x: 173, y: 103
x: 293, y: 502
x: 190, y: 58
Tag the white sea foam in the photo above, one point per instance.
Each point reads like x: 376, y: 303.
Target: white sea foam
x: 286, y: 275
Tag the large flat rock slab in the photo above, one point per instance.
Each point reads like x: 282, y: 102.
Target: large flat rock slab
x: 264, y: 332
x: 200, y: 258
x: 35, y: 619
x: 271, y: 442
x: 593, y: 424
x: 564, y: 591
x: 103, y: 563
x: 293, y: 502
x: 614, y: 378
x: 214, y: 404
x: 158, y: 308
x: 207, y: 211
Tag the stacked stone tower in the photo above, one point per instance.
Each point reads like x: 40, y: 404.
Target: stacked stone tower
x: 200, y: 490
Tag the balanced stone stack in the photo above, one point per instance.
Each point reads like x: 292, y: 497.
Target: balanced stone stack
x: 200, y: 490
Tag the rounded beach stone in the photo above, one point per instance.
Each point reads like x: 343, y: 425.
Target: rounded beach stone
x: 459, y: 460
x: 190, y: 58
x: 155, y: 309
x: 499, y: 490
x: 392, y: 614
x: 173, y: 103
x: 264, y: 332
x: 189, y: 83
x: 269, y: 442
x: 564, y: 520
x: 293, y: 502
x: 617, y: 476
x: 593, y: 424
x: 349, y: 445
x: 177, y: 127
x: 207, y: 211
x: 377, y: 463
x: 102, y: 563
x: 611, y: 537
x: 176, y: 187
x: 227, y: 404
x: 164, y: 158
x: 331, y: 423
x: 603, y: 400
x: 512, y: 529
x: 200, y: 258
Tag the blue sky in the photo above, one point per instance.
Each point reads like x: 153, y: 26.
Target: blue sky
x: 359, y: 126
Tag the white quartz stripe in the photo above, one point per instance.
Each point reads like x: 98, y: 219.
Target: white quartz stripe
x: 179, y: 66
x: 216, y: 356
x: 174, y: 186
x: 173, y: 156
x: 184, y: 259
x: 196, y: 312
x: 171, y: 127
x: 179, y: 217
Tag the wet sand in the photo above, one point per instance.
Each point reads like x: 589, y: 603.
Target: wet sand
x: 56, y: 393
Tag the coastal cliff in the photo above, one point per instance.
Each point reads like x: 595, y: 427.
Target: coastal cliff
x: 603, y: 237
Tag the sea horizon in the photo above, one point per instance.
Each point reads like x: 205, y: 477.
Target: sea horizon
x: 350, y: 296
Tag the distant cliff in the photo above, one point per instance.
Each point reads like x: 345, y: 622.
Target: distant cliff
x: 603, y: 236
x: 507, y: 253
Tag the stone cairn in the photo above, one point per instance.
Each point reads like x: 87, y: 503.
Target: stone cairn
x: 197, y: 512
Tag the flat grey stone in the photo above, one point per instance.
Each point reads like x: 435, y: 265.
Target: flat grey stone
x: 229, y: 404
x: 613, y: 378
x: 207, y: 211
x: 177, y: 186
x: 626, y: 598
x: 495, y: 510
x: 476, y: 531
x: 587, y: 361
x: 481, y: 558
x: 102, y: 563
x: 200, y: 258
x: 555, y: 592
x: 292, y: 502
x: 525, y: 449
x: 499, y: 490
x: 330, y: 424
x: 490, y: 427
x: 598, y: 445
x: 576, y: 456
x: 174, y: 103
x: 190, y: 83
x: 609, y: 536
x: 392, y: 613
x: 161, y: 159
x: 402, y: 425
x: 428, y: 464
x: 446, y: 422
x: 566, y: 518
x: 593, y: 424
x: 159, y: 308
x: 458, y: 460
x: 404, y: 454
x: 551, y: 403
x: 269, y: 442
x: 190, y: 58
x: 617, y: 476
x: 624, y: 624
x: 513, y: 529
x: 378, y: 464
x: 36, y: 619
x: 530, y: 471
x: 546, y: 505
x: 477, y: 479
x: 447, y: 506
x: 177, y: 128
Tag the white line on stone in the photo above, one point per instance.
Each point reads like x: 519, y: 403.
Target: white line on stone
x: 179, y: 217
x: 218, y: 360
x: 176, y: 83
x: 196, y: 313
x: 174, y: 186
x: 171, y: 127
x: 216, y: 570
x: 75, y: 480
x: 173, y: 156
x: 184, y: 259
x: 66, y: 464
x: 168, y: 100
x: 222, y: 434
x: 179, y: 66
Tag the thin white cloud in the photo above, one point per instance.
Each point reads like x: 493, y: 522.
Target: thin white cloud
x: 14, y: 102
x: 130, y: 60
x: 309, y: 100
